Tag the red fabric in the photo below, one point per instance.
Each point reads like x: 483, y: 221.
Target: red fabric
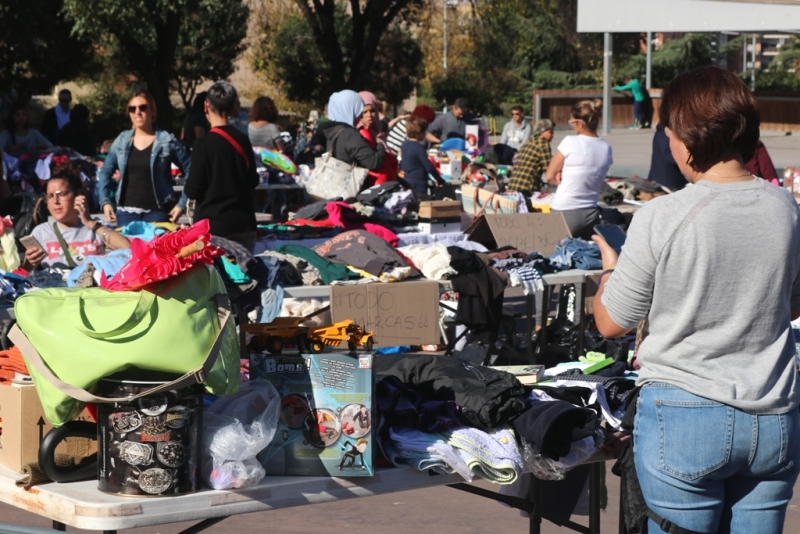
x: 327, y: 223
x: 155, y: 261
x: 761, y: 165
x: 345, y: 216
x: 388, y: 172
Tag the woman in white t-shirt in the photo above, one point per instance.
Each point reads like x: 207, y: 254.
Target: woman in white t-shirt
x: 73, y: 226
x: 579, y: 168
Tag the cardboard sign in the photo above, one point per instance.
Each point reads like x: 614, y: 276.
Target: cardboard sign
x: 527, y: 232
x: 400, y: 313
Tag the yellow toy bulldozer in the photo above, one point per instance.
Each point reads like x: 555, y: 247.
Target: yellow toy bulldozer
x: 287, y: 330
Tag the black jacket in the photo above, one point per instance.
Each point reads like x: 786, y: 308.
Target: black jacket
x: 49, y: 127
x: 350, y: 147
x: 223, y: 184
x: 489, y: 398
x: 663, y: 168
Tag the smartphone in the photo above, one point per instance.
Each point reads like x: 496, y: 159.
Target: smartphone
x: 30, y: 242
x: 613, y: 234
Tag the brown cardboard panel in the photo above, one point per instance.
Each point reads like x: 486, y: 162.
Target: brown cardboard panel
x: 24, y: 425
x: 401, y: 313
x: 527, y: 232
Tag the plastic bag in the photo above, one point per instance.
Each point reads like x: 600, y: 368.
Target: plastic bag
x: 235, y: 429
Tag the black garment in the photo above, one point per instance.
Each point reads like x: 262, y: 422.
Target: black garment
x: 351, y: 147
x: 377, y: 195
x: 362, y: 250
x: 489, y: 398
x: 552, y: 426
x: 315, y: 211
x: 137, y: 187
x: 49, y: 127
x: 480, y: 293
x: 223, y: 184
x: 617, y: 388
x: 663, y: 168
x: 77, y: 137
x: 235, y: 251
x: 196, y: 118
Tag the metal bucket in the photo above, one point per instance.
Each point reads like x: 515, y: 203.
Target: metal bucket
x: 146, y: 447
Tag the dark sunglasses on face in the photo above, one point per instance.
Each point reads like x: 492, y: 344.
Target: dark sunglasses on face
x: 142, y: 108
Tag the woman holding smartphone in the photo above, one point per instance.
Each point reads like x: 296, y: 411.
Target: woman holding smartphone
x: 143, y: 156
x: 74, y: 236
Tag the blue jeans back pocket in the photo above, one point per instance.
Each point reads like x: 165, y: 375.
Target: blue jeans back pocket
x: 694, y: 437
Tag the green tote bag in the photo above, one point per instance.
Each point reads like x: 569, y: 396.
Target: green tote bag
x: 71, y: 338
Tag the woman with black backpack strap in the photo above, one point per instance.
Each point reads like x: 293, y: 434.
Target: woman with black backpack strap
x: 716, y: 269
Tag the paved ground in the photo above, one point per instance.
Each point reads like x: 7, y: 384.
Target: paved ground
x: 632, y: 149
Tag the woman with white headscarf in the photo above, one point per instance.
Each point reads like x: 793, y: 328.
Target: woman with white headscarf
x: 342, y: 139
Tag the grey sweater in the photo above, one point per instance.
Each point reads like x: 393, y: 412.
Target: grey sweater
x: 716, y: 267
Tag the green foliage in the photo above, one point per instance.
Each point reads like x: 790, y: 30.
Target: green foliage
x: 289, y: 55
x: 210, y: 39
x: 523, y: 45
x: 37, y: 49
x: 673, y: 58
x: 165, y: 43
x: 776, y: 79
x: 107, y: 105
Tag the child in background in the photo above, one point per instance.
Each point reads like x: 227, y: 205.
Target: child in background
x: 415, y: 162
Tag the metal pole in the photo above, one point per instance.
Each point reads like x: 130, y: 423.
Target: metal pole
x: 753, y: 71
x: 744, y: 54
x: 444, y: 59
x: 607, y: 66
x: 649, y: 63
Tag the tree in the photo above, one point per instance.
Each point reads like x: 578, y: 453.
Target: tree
x: 210, y: 39
x: 674, y: 57
x: 37, y: 49
x: 288, y: 54
x: 149, y: 33
x: 348, y: 63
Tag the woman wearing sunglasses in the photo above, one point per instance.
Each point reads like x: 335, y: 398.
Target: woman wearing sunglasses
x: 579, y: 169
x: 74, y: 236
x: 143, y: 156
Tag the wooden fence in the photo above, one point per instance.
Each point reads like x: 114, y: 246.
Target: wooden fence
x: 778, y: 112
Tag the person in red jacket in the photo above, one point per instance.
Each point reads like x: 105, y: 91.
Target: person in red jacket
x: 761, y: 165
x: 370, y: 129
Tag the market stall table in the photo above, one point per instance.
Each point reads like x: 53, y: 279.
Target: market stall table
x: 82, y: 505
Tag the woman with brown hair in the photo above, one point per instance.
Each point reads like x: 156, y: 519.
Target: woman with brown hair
x: 579, y: 169
x: 74, y: 236
x: 143, y: 155
x: 262, y: 130
x: 716, y: 269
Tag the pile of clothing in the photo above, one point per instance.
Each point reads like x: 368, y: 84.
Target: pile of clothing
x: 441, y: 414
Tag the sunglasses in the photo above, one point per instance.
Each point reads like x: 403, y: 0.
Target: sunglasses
x: 58, y: 194
x: 142, y: 108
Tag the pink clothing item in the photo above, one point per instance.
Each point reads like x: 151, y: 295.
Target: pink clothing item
x: 370, y: 100
x: 345, y: 216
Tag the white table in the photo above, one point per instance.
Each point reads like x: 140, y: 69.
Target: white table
x: 82, y: 505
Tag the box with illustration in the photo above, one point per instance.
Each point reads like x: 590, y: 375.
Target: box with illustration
x: 325, y: 426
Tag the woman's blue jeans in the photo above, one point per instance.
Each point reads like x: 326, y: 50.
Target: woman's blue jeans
x: 709, y: 467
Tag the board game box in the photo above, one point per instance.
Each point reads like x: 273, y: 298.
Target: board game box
x: 325, y: 426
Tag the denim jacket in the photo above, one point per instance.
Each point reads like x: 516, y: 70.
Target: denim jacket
x: 166, y: 150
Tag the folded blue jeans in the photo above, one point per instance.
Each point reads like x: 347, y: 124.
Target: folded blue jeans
x: 708, y: 467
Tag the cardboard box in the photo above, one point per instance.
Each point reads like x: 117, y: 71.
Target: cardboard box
x: 434, y: 209
x: 403, y: 313
x: 326, y: 416
x: 528, y: 232
x: 452, y: 168
x: 24, y: 426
